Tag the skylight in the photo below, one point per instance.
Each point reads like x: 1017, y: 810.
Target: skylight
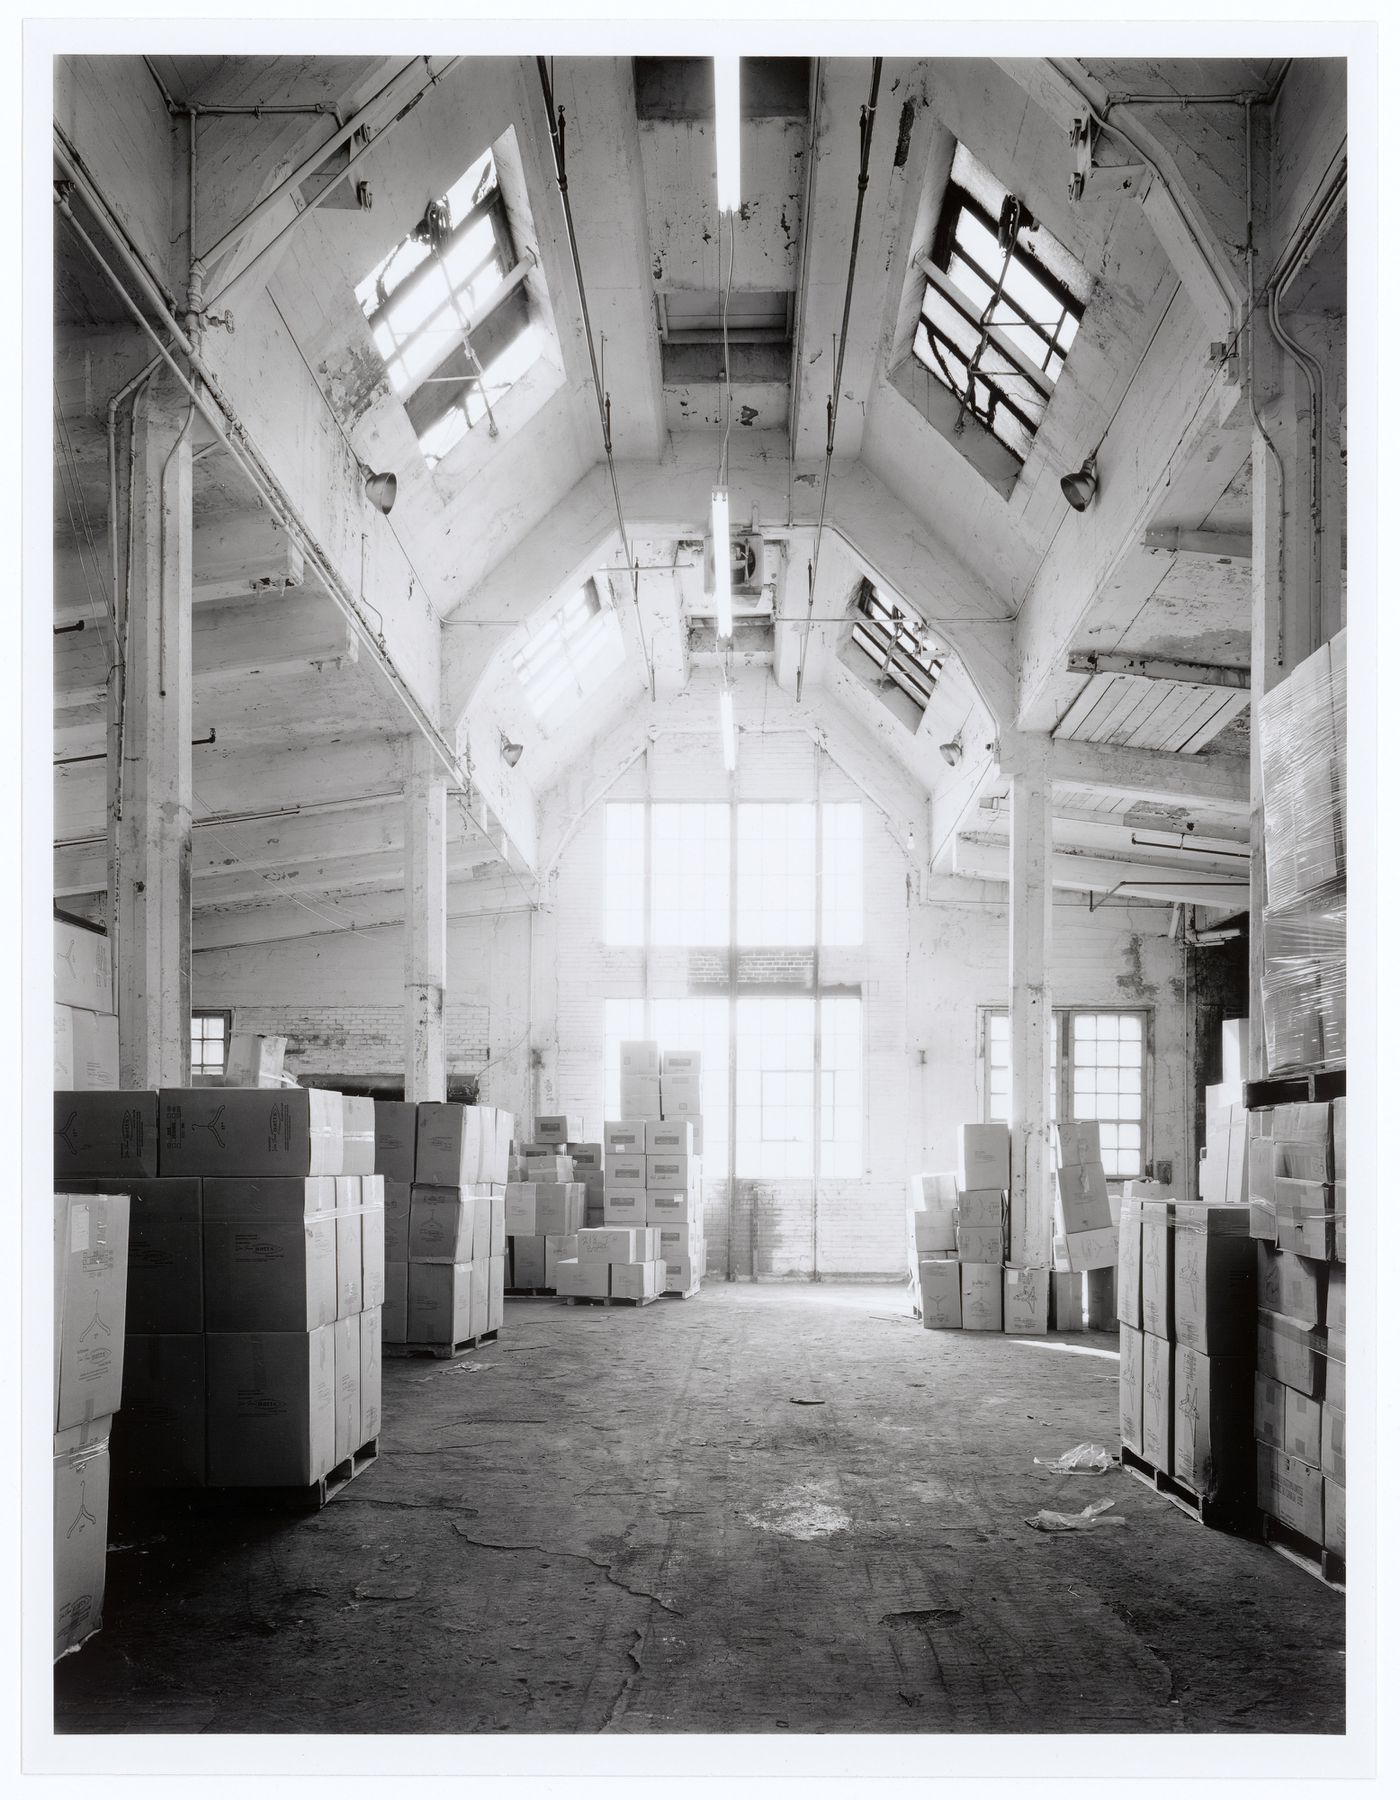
x: 1001, y: 306
x: 449, y: 314
x: 897, y: 642
x: 568, y: 656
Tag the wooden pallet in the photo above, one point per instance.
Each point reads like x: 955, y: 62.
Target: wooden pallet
x: 677, y: 1294
x: 607, y: 1300
x: 1279, y: 1090
x: 1315, y: 1559
x: 443, y: 1352
x: 531, y: 1293
x: 1218, y: 1515
x: 288, y: 1499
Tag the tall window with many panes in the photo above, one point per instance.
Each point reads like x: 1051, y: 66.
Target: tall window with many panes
x: 1101, y: 1062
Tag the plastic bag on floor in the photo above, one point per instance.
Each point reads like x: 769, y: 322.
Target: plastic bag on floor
x: 1084, y: 1459
x: 1087, y: 1520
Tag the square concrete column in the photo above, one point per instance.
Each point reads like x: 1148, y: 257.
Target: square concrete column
x: 1031, y: 1017
x: 149, y: 783
x: 424, y: 924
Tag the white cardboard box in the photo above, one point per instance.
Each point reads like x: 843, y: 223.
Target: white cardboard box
x: 82, y: 967
x: 670, y: 1137
x: 984, y: 1156
x: 632, y: 1281
x: 81, y: 1482
x: 357, y: 1135
x: 625, y: 1206
x: 573, y: 1276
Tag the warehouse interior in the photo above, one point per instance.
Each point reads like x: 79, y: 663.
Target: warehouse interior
x: 787, y: 562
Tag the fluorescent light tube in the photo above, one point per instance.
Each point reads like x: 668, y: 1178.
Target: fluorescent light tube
x: 727, y: 132
x: 726, y: 731
x: 719, y: 534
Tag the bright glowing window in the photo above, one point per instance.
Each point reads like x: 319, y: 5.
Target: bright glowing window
x: 625, y: 904
x: 775, y: 1069
x: 899, y: 644
x: 568, y: 655
x: 843, y: 872
x: 684, y: 1022
x: 777, y: 873
x: 842, y: 1097
x: 1101, y: 1057
x: 209, y: 1035
x: 690, y: 873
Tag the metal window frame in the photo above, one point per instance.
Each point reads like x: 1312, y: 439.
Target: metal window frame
x: 897, y: 663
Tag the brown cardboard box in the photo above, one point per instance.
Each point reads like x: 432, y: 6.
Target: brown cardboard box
x: 1130, y: 1358
x: 495, y: 1293
x: 528, y: 1255
x: 981, y: 1296
x: 112, y: 1135
x: 625, y: 1206
x: 932, y: 1231
x: 1077, y: 1142
x: 1025, y: 1301
x: 90, y: 1264
x: 395, y: 1309
x: 1157, y: 1406
x: 669, y: 1171
x: 1336, y: 1301
x: 613, y: 1244
x: 454, y: 1144
x: 1302, y: 1428
x: 271, y: 1398
x: 158, y: 1436
x: 242, y: 1132
x: 440, y: 1303
x: 498, y: 1223
x: 356, y: 1135
x: 548, y: 1167
x: 1289, y: 1490
x: 1066, y: 1300
x: 395, y: 1139
x: 1213, y: 1280
x: 1305, y: 1213
x: 442, y: 1224
x: 1333, y: 1443
x: 269, y: 1263
x: 165, y: 1273
x: 1158, y: 1270
x: 1211, y: 1434
x: 1334, y: 1389
x: 1296, y: 1286
x: 82, y: 968
x: 81, y: 1481
x: 984, y: 1157
x: 1270, y: 1405
x: 1292, y: 1353
x: 940, y: 1294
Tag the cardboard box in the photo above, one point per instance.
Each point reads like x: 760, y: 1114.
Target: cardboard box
x: 616, y: 1244
x: 1213, y: 1281
x: 112, y: 1135
x: 372, y: 1262
x: 90, y: 1268
x: 1261, y: 1169
x: 93, y: 1049
x: 558, y: 1128
x: 977, y: 1244
x: 82, y: 968
x: 454, y: 1144
x: 1339, y: 1138
x: 1130, y: 1263
x: 1334, y: 1384
x: 63, y: 1047
x: 1290, y: 1491
x: 940, y: 1294
x: 639, y: 1057
x: 1211, y: 1437
x: 1081, y: 1193
x: 1234, y: 1052
x: 930, y: 1231
x: 677, y: 1063
x: 349, y: 1265
x: 680, y: 1101
x: 632, y: 1281
x: 1304, y: 1216
x: 1077, y: 1142
x: 1292, y: 1353
x: 395, y: 1309
x: 1339, y: 1224
x: 626, y: 1172
x: 673, y: 1137
x: 480, y: 1267
x: 1270, y: 1405
x: 165, y: 1255
x: 1334, y: 1516
x: 984, y: 1157
x: 933, y: 1193
x: 582, y: 1279
x: 158, y: 1436
x: 1092, y: 1249
x: 1302, y: 1122
x: 1332, y: 1443
x: 495, y: 1292
x: 371, y: 1323
x: 1158, y: 1270
x: 443, y: 1224
x: 685, y: 1274
x: 981, y: 1296
x: 357, y: 1135
x: 81, y: 1482
x: 1025, y: 1301
x: 984, y: 1208
x: 242, y: 1132
x: 270, y: 1264
x: 558, y: 1206
x: 1130, y: 1359
x: 497, y: 1241
x: 624, y: 1137
x: 670, y: 1208
x: 640, y: 1099
x: 440, y: 1303
x: 1309, y: 1161
x: 549, y: 1168
x: 528, y: 1270
x: 347, y: 1387
x: 348, y: 1191
x: 625, y: 1206
x: 271, y: 1407
x: 254, y: 1061
x: 1296, y: 1286
x: 398, y: 1199
x: 1157, y: 1401
x: 557, y: 1246
x: 671, y: 1172
x: 588, y: 1161
x: 1302, y: 1427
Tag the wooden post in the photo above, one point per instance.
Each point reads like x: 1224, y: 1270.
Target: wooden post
x: 1027, y: 761
x: 151, y: 844
x: 425, y: 924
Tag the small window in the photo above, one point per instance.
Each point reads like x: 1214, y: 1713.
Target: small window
x: 897, y: 644
x: 568, y: 655
x: 209, y: 1035
x: 1001, y: 307
x: 449, y: 314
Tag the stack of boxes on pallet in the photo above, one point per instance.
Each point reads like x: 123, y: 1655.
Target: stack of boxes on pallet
x: 90, y: 1283
x: 444, y: 1169
x: 1297, y: 1212
x: 618, y: 1262
x: 958, y: 1244
x: 253, y: 1321
x: 546, y: 1202
x: 651, y: 1160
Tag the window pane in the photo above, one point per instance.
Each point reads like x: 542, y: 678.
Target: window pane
x: 568, y: 655
x: 843, y: 873
x: 774, y: 1039
x: 690, y: 873
x: 623, y: 919
x: 777, y: 873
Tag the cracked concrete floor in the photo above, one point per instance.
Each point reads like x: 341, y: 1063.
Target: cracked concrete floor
x: 619, y: 1520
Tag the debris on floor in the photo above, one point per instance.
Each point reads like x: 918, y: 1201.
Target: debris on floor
x: 1084, y: 1459
x: 1087, y: 1520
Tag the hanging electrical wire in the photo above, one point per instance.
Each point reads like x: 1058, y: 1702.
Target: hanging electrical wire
x: 867, y: 132
x: 555, y: 118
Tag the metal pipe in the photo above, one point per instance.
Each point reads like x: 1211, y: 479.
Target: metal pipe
x: 867, y: 133
x: 800, y: 332
x: 248, y: 459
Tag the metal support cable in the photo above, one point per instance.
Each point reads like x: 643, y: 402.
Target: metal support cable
x: 867, y: 132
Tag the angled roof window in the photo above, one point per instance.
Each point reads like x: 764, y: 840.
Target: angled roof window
x: 450, y: 313
x: 892, y: 649
x: 568, y: 656
x: 1001, y: 306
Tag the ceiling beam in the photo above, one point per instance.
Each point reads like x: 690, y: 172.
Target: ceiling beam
x: 1141, y: 879
x: 1155, y: 775
x: 1213, y: 546
x: 1155, y: 668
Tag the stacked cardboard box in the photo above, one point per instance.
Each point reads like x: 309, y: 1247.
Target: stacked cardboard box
x: 446, y: 1220
x: 90, y: 1285
x: 1297, y: 1171
x: 84, y: 1024
x: 651, y: 1174
x: 958, y: 1244
x: 614, y: 1262
x: 1224, y: 1167
x: 543, y: 1215
x: 253, y: 1321
x: 1086, y: 1237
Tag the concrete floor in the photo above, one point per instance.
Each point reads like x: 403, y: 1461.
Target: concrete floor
x: 620, y: 1520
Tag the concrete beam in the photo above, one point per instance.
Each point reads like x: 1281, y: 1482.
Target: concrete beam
x: 1153, y: 775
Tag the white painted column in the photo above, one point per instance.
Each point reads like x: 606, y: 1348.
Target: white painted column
x: 151, y: 839
x: 1032, y: 1039
x: 424, y: 924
